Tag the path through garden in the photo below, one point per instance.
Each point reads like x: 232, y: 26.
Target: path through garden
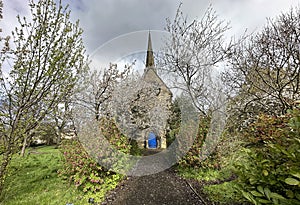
x: 162, y: 188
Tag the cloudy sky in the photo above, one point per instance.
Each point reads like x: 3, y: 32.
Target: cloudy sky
x: 103, y: 20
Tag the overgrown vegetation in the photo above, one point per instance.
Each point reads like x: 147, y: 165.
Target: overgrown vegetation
x: 51, y: 176
x: 269, y: 168
x: 45, y: 62
x: 266, y: 168
x: 259, y: 149
x: 85, y: 173
x: 173, y: 122
x: 256, y: 160
x: 192, y: 157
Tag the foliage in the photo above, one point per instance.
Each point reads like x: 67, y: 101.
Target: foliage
x: 264, y: 76
x: 192, y: 157
x: 87, y: 175
x: 135, y: 150
x: 224, y: 193
x: 261, y: 145
x: 201, y: 174
x: 116, y: 157
x: 63, y: 116
x: 211, y: 181
x: 174, y: 122
x: 268, y: 170
x: 98, y: 88
x: 115, y: 137
x: 44, y: 132
x: 267, y: 129
x: 264, y: 69
x: 34, y: 180
x: 47, y: 59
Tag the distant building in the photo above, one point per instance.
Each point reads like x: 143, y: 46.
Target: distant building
x: 155, y: 105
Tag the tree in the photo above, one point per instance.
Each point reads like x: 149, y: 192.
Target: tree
x: 63, y: 117
x: 264, y: 70
x: 47, y: 59
x: 174, y: 121
x: 191, y: 53
x: 99, y: 86
x: 128, y: 104
x: 137, y: 109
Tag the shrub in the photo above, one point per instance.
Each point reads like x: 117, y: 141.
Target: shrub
x: 267, y: 129
x: 82, y: 170
x: 174, y: 122
x: 135, y: 150
x: 268, y: 168
x: 112, y: 133
x: 192, y: 157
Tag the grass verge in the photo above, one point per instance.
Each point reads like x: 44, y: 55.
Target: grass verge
x: 213, y: 185
x: 33, y: 179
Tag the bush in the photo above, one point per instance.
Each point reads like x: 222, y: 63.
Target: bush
x: 85, y: 172
x: 174, y: 122
x: 268, y: 168
x: 135, y: 150
x: 112, y: 133
x: 82, y: 170
x: 192, y: 157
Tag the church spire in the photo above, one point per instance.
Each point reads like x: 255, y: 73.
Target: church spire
x: 150, y: 56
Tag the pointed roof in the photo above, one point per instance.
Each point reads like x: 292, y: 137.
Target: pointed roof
x: 150, y: 75
x: 150, y: 56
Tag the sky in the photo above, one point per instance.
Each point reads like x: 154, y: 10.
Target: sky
x: 104, y: 21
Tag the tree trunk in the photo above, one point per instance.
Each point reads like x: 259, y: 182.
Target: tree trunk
x: 59, y: 135
x: 28, y: 137
x: 24, y: 146
x: 5, y: 161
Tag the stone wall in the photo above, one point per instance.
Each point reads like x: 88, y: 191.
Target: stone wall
x: 153, y: 108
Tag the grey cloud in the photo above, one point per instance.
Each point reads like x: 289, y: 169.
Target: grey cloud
x: 103, y: 20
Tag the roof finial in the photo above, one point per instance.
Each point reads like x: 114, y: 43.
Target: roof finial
x: 150, y: 56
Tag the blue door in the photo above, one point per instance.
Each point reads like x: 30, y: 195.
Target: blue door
x: 152, y: 140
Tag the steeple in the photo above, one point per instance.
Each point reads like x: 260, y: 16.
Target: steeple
x: 150, y: 56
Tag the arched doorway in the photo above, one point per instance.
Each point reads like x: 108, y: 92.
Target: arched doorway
x: 152, y: 140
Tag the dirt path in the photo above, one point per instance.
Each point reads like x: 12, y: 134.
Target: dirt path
x: 162, y: 188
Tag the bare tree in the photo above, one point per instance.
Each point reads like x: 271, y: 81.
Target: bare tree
x: 192, y: 52
x: 265, y: 74
x: 46, y: 61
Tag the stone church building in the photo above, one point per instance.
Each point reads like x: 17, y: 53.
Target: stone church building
x: 156, y: 106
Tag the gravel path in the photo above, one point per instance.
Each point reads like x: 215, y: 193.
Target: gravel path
x: 162, y: 188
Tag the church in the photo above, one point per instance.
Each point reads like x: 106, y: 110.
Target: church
x: 156, y: 106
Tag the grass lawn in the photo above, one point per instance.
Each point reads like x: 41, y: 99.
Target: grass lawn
x: 34, y: 180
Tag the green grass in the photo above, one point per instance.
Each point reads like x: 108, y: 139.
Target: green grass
x: 202, y: 174
x: 34, y: 180
x: 224, y: 193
